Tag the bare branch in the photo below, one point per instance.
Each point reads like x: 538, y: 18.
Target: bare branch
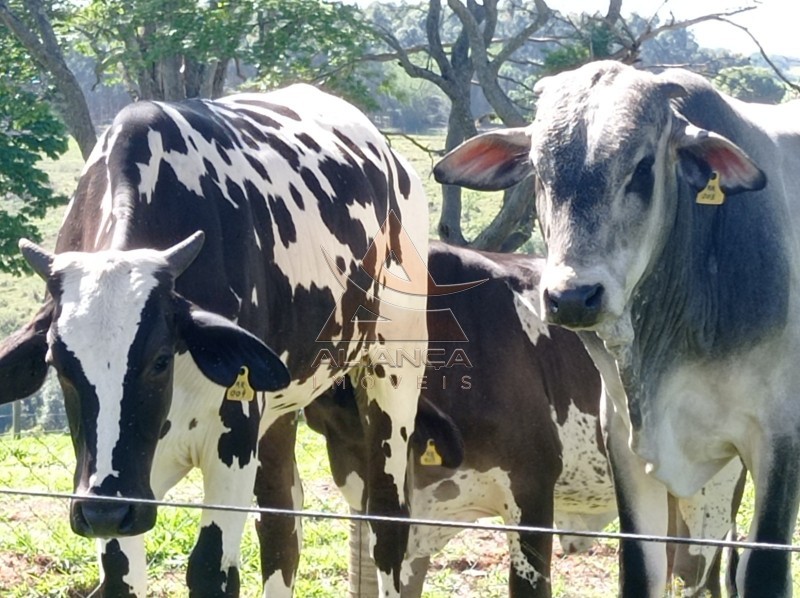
x: 630, y: 50
x: 405, y: 61
x: 614, y: 11
x: 773, y: 66
x: 433, y: 154
x: 432, y: 23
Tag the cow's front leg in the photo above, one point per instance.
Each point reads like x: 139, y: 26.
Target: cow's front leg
x: 642, y: 505
x: 229, y: 466
x: 776, y: 475
x: 123, y: 570
x: 391, y: 407
x: 278, y: 486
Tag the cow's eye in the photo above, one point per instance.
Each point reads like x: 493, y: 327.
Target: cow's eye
x: 161, y: 363
x: 641, y: 181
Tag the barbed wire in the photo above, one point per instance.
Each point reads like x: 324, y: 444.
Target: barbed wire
x: 495, y: 527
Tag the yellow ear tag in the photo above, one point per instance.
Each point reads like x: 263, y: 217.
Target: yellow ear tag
x: 241, y: 390
x: 431, y: 455
x: 711, y: 195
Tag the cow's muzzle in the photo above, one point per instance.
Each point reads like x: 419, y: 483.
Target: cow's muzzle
x: 577, y: 306
x: 94, y: 518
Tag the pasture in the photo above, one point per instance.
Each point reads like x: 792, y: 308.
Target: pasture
x: 40, y: 556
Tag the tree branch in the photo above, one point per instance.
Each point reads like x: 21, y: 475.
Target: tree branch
x: 764, y: 55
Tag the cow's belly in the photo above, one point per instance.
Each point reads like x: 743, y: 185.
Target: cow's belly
x: 465, y: 496
x: 704, y: 414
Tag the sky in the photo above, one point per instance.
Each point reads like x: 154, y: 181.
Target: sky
x: 774, y: 22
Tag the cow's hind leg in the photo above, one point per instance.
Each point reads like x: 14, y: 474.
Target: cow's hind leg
x: 708, y: 515
x: 530, y: 554
x: 123, y: 571
x: 278, y: 486
x: 392, y: 395
x: 229, y: 464
x: 767, y: 573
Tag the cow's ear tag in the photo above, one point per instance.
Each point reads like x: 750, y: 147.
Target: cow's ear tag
x: 712, y: 194
x: 431, y: 456
x: 241, y: 390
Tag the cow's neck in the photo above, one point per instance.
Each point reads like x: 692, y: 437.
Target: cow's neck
x: 719, y: 287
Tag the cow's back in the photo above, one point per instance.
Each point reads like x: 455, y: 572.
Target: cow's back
x: 290, y: 188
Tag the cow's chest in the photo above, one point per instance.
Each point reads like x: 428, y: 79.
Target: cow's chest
x: 703, y: 413
x: 204, y: 428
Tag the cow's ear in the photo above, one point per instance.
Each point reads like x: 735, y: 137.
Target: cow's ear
x: 436, y: 431
x: 701, y: 152
x: 220, y: 348
x: 487, y: 162
x: 22, y: 357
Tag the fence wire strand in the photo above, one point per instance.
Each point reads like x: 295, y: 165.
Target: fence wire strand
x: 324, y: 500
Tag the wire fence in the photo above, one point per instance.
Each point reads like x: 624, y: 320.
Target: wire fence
x: 40, y: 556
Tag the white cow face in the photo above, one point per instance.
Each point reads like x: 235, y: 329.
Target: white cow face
x: 608, y: 152
x: 115, y: 327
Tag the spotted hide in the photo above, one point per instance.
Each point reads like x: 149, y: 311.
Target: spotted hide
x: 200, y: 233
x: 515, y: 421
x: 670, y: 216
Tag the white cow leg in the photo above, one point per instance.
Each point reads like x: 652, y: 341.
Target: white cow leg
x: 278, y: 486
x: 229, y: 464
x: 390, y: 413
x: 642, y: 504
x: 214, y: 562
x: 123, y: 569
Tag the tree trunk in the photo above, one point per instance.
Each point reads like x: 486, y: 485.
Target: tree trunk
x: 75, y: 111
x: 214, y: 85
x: 194, y: 75
x: 170, y: 78
x: 460, y: 127
x: 43, y: 47
x: 513, y: 224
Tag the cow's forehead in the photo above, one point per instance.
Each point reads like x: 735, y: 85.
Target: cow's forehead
x: 599, y: 117
x: 97, y: 288
x: 114, y: 270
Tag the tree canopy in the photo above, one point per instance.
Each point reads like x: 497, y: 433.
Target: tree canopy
x: 28, y: 129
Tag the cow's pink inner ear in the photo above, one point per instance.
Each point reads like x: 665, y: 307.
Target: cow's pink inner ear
x: 731, y: 165
x: 486, y: 155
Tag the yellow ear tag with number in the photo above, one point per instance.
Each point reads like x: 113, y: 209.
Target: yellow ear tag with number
x: 711, y: 194
x: 431, y: 456
x: 241, y: 390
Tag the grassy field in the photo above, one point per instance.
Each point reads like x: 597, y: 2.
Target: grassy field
x: 39, y: 555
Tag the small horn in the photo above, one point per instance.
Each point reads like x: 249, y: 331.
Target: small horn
x: 180, y: 256
x: 39, y: 259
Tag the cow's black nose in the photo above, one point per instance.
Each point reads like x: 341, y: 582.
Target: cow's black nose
x: 574, y: 307
x: 100, y: 519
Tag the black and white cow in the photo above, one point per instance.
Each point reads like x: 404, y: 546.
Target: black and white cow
x: 515, y: 422
x: 158, y: 336
x: 689, y: 310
